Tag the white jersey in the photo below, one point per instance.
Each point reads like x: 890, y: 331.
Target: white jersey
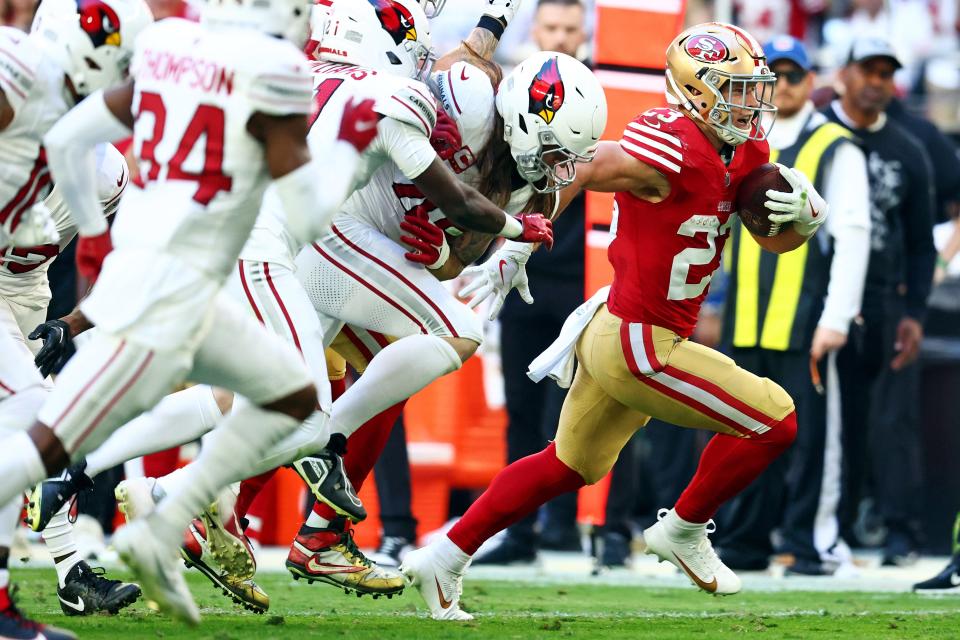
x: 391, y: 193
x: 202, y: 174
x: 181, y: 226
x: 23, y: 271
x: 34, y: 86
x: 403, y: 139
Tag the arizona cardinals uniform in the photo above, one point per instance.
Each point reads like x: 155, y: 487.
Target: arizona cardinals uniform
x: 179, y: 232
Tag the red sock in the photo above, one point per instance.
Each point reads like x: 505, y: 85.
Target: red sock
x: 159, y: 464
x: 363, y: 450
x: 4, y: 598
x: 728, y: 465
x: 250, y: 489
x: 516, y: 491
x: 338, y: 388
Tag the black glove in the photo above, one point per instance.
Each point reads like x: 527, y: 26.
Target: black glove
x: 57, y: 346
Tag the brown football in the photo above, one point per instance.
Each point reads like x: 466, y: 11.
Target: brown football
x: 751, y: 196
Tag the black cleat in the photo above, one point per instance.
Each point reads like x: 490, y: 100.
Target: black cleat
x: 87, y: 592
x: 328, y: 482
x: 49, y: 496
x: 15, y: 626
x: 949, y: 578
x: 510, y: 551
x: 391, y: 551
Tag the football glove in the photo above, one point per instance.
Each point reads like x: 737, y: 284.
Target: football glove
x: 503, y: 271
x: 502, y: 10
x: 91, y: 251
x: 445, y: 138
x: 57, y: 346
x: 358, y: 126
x: 427, y: 241
x: 36, y: 227
x: 802, y: 206
x: 535, y: 228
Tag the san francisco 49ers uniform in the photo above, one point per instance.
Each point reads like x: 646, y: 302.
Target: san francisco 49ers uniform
x: 179, y: 232
x: 635, y: 358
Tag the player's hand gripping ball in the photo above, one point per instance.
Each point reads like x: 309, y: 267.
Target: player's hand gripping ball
x: 752, y: 198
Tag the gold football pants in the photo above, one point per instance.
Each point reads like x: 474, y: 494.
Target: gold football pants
x: 630, y: 372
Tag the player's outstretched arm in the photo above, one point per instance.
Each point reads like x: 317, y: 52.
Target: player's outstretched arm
x: 467, y: 208
x: 485, y: 37
x: 313, y: 190
x: 101, y: 117
x: 613, y: 170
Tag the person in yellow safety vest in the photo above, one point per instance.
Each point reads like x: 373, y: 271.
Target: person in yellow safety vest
x: 785, y: 318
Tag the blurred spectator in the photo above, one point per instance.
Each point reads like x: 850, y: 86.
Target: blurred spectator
x: 910, y: 25
x: 789, y: 330
x: 557, y: 283
x: 392, y: 475
x: 17, y: 13
x: 943, y: 156
x: 766, y: 18
x: 878, y: 378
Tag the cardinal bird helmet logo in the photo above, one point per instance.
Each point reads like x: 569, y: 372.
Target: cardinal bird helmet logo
x: 546, y: 91
x: 100, y: 22
x: 396, y: 20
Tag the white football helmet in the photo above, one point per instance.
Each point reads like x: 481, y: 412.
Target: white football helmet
x: 91, y: 40
x: 554, y: 112
x: 392, y: 36
x: 287, y: 19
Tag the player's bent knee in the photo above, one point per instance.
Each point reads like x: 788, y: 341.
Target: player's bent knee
x: 299, y: 404
x: 52, y: 452
x: 464, y: 347
x: 224, y: 399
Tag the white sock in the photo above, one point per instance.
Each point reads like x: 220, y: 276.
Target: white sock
x: 20, y: 466
x: 9, y: 520
x: 179, y: 418
x: 396, y: 373
x: 677, y: 527
x: 311, y: 436
x: 226, y: 456
x: 450, y: 554
x: 4, y: 578
x: 60, y: 543
x: 317, y: 522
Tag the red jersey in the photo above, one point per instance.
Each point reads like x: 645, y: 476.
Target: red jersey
x: 665, y: 254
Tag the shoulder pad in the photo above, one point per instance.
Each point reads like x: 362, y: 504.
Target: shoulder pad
x: 411, y: 103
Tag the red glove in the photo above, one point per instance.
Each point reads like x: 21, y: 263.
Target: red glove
x: 425, y: 238
x: 358, y: 126
x: 445, y: 138
x: 536, y: 228
x: 91, y: 250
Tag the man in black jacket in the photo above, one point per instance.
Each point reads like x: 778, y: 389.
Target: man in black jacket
x: 879, y: 381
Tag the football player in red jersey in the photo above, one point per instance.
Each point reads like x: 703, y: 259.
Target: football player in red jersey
x: 675, y: 173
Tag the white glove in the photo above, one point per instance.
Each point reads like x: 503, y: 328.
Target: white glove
x: 502, y: 10
x: 503, y: 271
x: 35, y: 228
x: 803, y: 206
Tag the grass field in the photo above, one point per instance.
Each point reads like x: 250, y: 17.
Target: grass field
x: 508, y: 610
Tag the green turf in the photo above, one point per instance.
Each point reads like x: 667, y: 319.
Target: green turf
x: 520, y: 610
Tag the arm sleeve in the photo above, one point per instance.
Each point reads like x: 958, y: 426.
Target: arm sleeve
x: 407, y: 146
x: 112, y: 177
x: 283, y: 85
x: 848, y: 193
x: 660, y: 149
x: 917, y: 215
x: 70, y: 155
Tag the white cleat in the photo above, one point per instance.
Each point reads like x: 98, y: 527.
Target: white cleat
x: 690, y: 551
x: 135, y: 498
x: 440, y: 587
x: 157, y: 569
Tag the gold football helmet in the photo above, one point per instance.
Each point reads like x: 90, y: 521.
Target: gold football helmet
x: 719, y: 73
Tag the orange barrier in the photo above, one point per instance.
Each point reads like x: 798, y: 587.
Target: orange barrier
x: 635, y: 33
